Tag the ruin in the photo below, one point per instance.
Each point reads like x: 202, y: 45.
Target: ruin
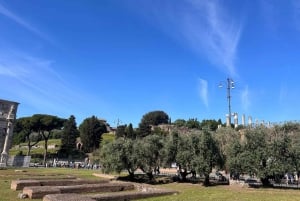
x: 21, y: 183
x: 84, y: 190
x: 250, y: 122
x: 8, y: 110
x: 236, y: 120
x: 35, y: 192
x: 243, y: 120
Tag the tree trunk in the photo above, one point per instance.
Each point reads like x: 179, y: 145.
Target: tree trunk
x: 29, y: 145
x: 206, y: 180
x: 148, y: 173
x: 183, y: 175
x: 29, y: 148
x: 131, y: 175
x: 265, y: 181
x: 28, y: 151
x: 150, y: 176
x: 45, y: 153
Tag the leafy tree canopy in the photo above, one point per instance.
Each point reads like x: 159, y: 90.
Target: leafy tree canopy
x: 91, y: 130
x: 179, y: 122
x: 153, y: 118
x: 125, y: 131
x: 119, y: 155
x: 193, y: 123
x: 210, y: 124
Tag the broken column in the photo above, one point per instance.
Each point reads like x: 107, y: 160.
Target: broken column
x: 250, y: 121
x: 243, y: 120
x: 228, y: 120
x: 236, y: 120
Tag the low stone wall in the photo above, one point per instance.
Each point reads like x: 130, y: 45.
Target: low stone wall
x: 47, y: 178
x: 153, y: 192
x: 117, y: 196
x: 20, y: 184
x: 66, y: 189
x: 106, y: 176
x: 34, y: 192
x: 18, y: 161
x: 67, y: 197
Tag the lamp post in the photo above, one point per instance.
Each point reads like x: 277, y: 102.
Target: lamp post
x: 229, y: 86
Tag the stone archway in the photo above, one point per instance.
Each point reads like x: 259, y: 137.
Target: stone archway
x: 79, y: 146
x: 8, y: 111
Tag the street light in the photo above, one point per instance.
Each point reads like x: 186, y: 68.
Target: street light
x: 230, y: 85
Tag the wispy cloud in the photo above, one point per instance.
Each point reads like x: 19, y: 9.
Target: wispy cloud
x: 203, y: 91
x: 210, y: 29
x: 23, y: 23
x: 206, y: 27
x: 35, y: 82
x: 245, y: 99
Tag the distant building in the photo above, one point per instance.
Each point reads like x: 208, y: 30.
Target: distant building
x: 108, y: 127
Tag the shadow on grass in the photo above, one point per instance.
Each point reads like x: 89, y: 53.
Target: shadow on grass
x: 162, y: 179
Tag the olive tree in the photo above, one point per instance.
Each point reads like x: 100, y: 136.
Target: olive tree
x: 150, y: 154
x: 119, y: 155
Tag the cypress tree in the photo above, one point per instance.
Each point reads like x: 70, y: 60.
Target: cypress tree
x: 69, y: 135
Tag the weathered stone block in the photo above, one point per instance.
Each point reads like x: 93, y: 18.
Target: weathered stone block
x: 35, y: 192
x: 40, y: 191
x: 133, y: 195
x: 144, y: 192
x: 20, y: 184
x: 90, y: 188
x: 66, y: 197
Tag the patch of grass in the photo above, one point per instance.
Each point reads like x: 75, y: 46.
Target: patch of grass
x: 196, y: 192
x: 108, y: 137
x: 38, y: 149
x: 187, y: 191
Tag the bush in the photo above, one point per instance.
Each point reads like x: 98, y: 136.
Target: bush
x: 19, y: 153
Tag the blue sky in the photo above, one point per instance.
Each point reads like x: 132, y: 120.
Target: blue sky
x: 119, y: 59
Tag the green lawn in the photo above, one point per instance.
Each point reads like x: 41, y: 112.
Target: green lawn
x: 196, y: 192
x: 56, y: 143
x: 193, y: 192
x: 38, y: 149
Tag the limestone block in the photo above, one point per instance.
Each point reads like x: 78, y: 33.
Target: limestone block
x: 66, y: 197
x: 40, y: 191
x: 35, y: 192
x: 20, y: 184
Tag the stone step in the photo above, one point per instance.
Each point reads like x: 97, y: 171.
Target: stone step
x: 20, y: 184
x: 67, y: 197
x: 47, y: 178
x: 121, y: 196
x: 117, y: 196
x: 34, y: 192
